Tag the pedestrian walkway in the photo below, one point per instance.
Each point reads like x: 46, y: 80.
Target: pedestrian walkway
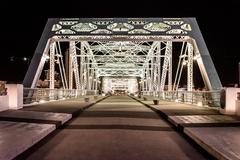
x: 70, y: 106
x: 16, y: 137
x: 35, y: 117
x: 217, y: 134
x: 114, y: 129
x: 204, y: 120
x: 21, y: 129
x: 222, y: 142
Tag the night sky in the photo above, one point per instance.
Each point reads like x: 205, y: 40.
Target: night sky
x: 22, y: 25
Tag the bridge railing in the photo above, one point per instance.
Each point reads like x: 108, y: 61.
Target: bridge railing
x: 31, y: 95
x: 201, y: 98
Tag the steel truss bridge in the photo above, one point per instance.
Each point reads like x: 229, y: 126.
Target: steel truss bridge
x: 85, y: 51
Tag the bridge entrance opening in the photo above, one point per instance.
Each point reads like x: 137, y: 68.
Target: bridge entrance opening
x: 120, y: 85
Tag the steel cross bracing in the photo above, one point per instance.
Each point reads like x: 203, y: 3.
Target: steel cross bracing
x: 92, y: 77
x: 84, y: 73
x: 61, y: 66
x: 147, y: 82
x: 166, y: 64
x: 119, y: 58
x: 116, y: 47
x: 73, y: 57
x: 114, y: 59
x: 87, y: 67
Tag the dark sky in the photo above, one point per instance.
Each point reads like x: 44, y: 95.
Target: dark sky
x: 22, y: 24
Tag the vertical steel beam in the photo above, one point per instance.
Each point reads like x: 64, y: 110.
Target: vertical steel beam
x: 152, y: 75
x: 170, y: 70
x: 190, y: 67
x: 82, y: 59
x: 165, y: 64
x: 73, y: 54
x: 159, y: 66
x: 155, y: 72
x: 148, y: 78
x: 70, y: 68
x: 63, y: 66
x: 52, y: 65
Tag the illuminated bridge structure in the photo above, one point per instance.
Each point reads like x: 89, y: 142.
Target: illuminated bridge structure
x: 150, y: 56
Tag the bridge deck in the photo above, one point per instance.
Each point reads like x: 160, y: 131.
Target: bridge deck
x: 70, y: 106
x: 116, y: 128
x: 35, y: 117
x: 217, y: 134
x: 21, y: 129
x: 222, y: 142
x: 16, y: 137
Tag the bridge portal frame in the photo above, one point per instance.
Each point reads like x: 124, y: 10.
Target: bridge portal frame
x: 194, y: 40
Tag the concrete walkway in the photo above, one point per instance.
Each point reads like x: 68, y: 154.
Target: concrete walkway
x: 217, y: 134
x: 35, y: 117
x: 16, y: 137
x: 222, y: 142
x: 70, y: 106
x: 115, y: 128
x: 21, y: 129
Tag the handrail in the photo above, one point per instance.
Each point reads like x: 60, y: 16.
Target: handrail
x: 200, y: 98
x: 31, y: 95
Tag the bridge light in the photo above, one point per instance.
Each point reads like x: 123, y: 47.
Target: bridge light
x: 46, y: 57
x: 184, y: 63
x: 42, y: 101
x: 200, y: 104
x: 196, y: 57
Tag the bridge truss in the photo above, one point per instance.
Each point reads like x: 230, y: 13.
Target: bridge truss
x: 120, y: 48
